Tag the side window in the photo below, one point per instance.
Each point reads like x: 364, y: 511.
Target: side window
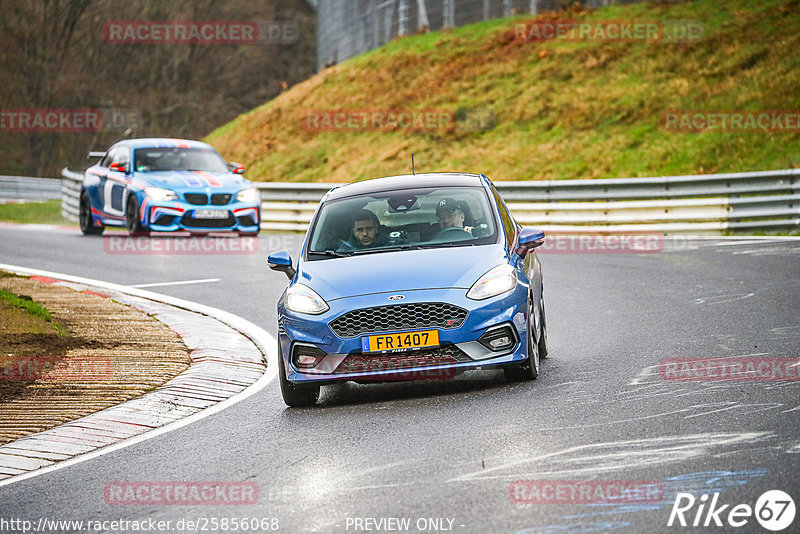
x: 109, y: 157
x: 122, y: 156
x: 509, y: 225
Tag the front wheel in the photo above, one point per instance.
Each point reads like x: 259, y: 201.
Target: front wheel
x: 542, y: 330
x: 293, y: 395
x: 529, y: 370
x: 85, y: 219
x: 132, y: 218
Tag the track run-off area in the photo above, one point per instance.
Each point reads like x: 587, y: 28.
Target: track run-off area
x: 633, y: 416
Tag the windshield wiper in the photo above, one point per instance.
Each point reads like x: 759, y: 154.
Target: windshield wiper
x: 388, y: 249
x: 331, y: 253
x: 465, y: 243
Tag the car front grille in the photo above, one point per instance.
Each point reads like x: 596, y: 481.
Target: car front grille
x: 220, y: 199
x: 398, y: 317
x: 198, y: 199
x: 187, y: 220
x: 370, y: 363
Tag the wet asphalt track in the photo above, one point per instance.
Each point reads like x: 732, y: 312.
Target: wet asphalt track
x: 445, y: 454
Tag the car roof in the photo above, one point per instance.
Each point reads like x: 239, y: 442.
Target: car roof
x: 406, y: 181
x: 162, y: 142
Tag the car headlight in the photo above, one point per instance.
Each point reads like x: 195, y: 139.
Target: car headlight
x: 303, y: 299
x: 499, y: 280
x: 160, y: 195
x: 248, y: 195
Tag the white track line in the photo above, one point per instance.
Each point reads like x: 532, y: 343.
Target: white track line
x: 732, y: 237
x: 263, y: 340
x: 181, y: 283
x: 750, y: 242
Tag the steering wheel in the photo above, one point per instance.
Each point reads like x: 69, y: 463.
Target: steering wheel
x: 480, y: 230
x: 452, y: 233
x: 345, y: 246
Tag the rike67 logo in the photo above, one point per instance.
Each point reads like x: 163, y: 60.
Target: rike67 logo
x: 774, y: 511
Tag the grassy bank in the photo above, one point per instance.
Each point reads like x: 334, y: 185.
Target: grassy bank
x: 556, y: 110
x: 48, y: 212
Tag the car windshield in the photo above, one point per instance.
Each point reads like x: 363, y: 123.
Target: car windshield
x: 178, y: 159
x: 403, y: 219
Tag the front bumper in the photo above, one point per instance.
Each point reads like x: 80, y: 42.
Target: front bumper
x: 459, y: 349
x: 173, y: 216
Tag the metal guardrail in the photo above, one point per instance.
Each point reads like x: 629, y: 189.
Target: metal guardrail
x: 70, y: 193
x: 28, y: 188
x: 710, y: 204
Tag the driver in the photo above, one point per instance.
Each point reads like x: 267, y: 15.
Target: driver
x: 451, y: 215
x: 365, y: 229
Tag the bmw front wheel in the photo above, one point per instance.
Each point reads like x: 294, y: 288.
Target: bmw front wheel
x: 133, y: 218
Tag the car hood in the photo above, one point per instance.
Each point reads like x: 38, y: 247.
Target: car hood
x: 386, y: 272
x: 180, y: 180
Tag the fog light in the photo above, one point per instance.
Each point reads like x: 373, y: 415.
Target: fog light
x: 498, y: 338
x: 306, y: 356
x: 500, y: 342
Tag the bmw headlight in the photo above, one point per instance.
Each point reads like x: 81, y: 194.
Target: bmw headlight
x: 160, y: 195
x: 499, y: 280
x: 248, y: 195
x: 303, y: 299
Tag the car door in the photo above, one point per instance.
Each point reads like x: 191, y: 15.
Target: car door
x: 529, y: 269
x: 96, y: 178
x: 116, y: 182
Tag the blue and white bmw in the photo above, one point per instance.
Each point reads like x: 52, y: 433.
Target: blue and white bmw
x: 167, y: 185
x: 410, y: 277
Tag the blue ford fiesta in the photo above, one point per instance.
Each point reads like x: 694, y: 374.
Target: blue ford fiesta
x: 410, y: 277
x: 167, y: 185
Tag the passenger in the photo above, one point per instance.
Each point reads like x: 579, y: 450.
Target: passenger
x: 451, y: 215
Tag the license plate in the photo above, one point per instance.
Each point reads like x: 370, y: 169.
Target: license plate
x: 210, y: 214
x: 400, y: 341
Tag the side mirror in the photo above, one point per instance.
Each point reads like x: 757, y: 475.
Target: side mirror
x: 119, y: 167
x: 529, y: 239
x: 281, y: 261
x: 236, y: 168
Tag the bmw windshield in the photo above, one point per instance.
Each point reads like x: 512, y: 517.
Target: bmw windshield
x: 404, y: 219
x: 178, y: 159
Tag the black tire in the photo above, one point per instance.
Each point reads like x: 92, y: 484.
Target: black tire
x: 542, y: 331
x: 529, y: 370
x: 132, y: 218
x: 88, y: 227
x: 295, y: 396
